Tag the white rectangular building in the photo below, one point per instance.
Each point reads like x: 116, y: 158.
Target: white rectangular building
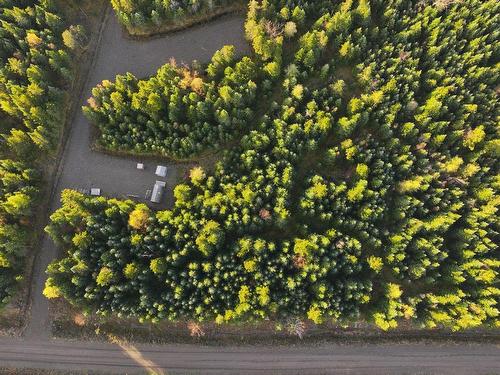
x: 158, y: 191
x: 161, y: 171
x: 96, y: 192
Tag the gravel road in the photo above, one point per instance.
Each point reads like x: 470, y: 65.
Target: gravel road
x: 118, y: 177
x: 189, y: 359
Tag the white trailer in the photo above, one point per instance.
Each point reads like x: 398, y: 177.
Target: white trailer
x: 158, y: 191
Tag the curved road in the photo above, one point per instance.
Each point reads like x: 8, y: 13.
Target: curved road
x: 81, y: 168
x: 190, y: 359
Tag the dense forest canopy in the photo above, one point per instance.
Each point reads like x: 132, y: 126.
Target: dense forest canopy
x: 366, y: 188
x: 142, y: 15
x: 180, y: 111
x: 35, y: 71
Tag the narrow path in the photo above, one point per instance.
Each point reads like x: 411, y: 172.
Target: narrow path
x: 118, y: 177
x: 190, y: 359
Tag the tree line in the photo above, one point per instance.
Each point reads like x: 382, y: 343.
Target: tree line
x: 35, y: 72
x: 142, y: 16
x: 180, y: 111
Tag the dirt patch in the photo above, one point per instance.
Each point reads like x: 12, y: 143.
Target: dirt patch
x: 267, y: 332
x: 12, y: 317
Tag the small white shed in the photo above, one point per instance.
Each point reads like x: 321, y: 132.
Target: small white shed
x: 96, y: 192
x: 161, y: 171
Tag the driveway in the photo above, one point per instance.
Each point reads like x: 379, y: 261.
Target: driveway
x: 81, y: 168
x: 117, y: 176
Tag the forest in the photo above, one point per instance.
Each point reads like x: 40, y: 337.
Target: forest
x: 143, y: 16
x: 178, y: 112
x: 359, y: 179
x: 35, y: 72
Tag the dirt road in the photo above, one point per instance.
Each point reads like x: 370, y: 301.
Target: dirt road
x: 118, y: 177
x: 187, y: 359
